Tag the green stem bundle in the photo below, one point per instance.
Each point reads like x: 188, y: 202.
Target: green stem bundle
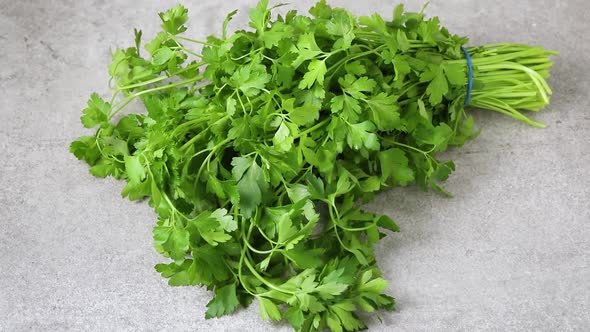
x: 511, y: 77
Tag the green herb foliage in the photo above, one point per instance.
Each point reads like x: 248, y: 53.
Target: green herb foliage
x: 259, y: 147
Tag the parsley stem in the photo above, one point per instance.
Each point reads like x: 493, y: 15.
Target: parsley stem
x: 314, y: 128
x: 354, y: 56
x: 114, y: 97
x: 244, y: 258
x: 262, y: 252
x: 208, y: 158
x: 335, y: 217
x: 140, y: 84
x: 130, y: 98
x: 203, y: 118
x: 193, y: 41
x: 243, y: 251
x: 109, y: 157
x: 180, y: 47
x: 160, y: 78
x: 426, y: 154
x: 357, y: 229
x: 264, y: 281
x: 266, y: 236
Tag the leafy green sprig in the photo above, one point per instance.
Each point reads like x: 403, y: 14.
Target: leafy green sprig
x: 257, y: 151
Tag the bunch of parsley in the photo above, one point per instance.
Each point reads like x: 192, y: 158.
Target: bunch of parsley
x: 258, y: 151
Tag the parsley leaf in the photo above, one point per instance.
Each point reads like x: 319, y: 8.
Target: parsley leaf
x: 96, y: 113
x: 224, y: 302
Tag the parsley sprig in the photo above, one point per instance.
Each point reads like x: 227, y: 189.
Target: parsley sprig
x: 258, y: 148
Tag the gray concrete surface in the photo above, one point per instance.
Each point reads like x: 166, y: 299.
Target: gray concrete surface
x: 510, y: 252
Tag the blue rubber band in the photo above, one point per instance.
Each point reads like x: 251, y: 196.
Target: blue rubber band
x: 469, y: 75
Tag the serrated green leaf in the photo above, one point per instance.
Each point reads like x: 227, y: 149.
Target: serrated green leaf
x: 251, y: 184
x: 437, y: 88
x: 259, y: 16
x: 162, y: 55
x: 96, y: 113
x: 385, y: 112
x: 394, y: 166
x: 361, y: 135
x: 134, y: 168
x: 85, y: 148
x: 173, y: 19
x: 250, y: 79
x: 268, y: 309
x: 315, y: 73
x: 226, y: 221
x: 224, y: 302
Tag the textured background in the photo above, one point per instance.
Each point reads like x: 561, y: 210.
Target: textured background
x: 509, y: 253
